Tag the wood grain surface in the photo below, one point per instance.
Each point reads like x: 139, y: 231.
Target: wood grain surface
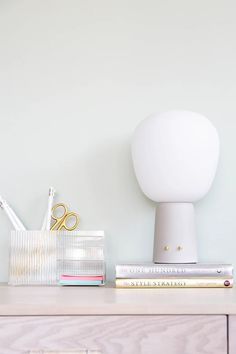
x: 58, y: 300
x: 232, y: 334
x: 195, y: 334
x: 64, y: 352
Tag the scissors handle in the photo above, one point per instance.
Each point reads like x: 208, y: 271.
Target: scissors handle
x: 61, y: 220
x: 68, y: 216
x: 58, y: 219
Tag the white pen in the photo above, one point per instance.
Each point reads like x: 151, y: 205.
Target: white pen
x: 11, y: 215
x: 47, y: 219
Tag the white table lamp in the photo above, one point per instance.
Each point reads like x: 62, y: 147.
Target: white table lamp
x: 175, y: 156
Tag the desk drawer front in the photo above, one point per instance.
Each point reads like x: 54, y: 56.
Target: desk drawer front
x: 64, y: 352
x: 85, y: 351
x: 113, y: 334
x: 232, y: 334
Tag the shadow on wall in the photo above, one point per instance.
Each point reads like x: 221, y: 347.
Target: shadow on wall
x: 126, y: 214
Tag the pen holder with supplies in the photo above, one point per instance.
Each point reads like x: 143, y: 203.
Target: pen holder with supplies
x: 57, y: 257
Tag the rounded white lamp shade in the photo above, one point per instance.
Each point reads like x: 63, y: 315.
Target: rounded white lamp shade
x: 175, y: 156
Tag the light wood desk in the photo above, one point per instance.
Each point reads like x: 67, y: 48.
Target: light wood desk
x: 117, y: 321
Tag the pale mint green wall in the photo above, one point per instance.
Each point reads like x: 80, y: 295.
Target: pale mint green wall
x: 77, y: 76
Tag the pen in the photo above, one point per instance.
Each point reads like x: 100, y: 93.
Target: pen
x: 11, y: 215
x: 47, y: 219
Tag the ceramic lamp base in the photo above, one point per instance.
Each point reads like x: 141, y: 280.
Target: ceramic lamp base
x: 175, y: 234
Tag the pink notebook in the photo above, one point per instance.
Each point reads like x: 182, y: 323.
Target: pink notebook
x: 81, y: 277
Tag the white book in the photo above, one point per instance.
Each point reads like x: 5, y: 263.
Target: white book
x: 154, y: 270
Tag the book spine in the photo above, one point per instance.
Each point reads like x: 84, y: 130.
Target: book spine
x: 175, y: 283
x: 180, y: 271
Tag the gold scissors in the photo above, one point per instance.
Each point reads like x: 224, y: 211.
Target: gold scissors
x: 62, y: 220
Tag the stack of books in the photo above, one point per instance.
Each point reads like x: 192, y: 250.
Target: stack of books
x: 151, y: 275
